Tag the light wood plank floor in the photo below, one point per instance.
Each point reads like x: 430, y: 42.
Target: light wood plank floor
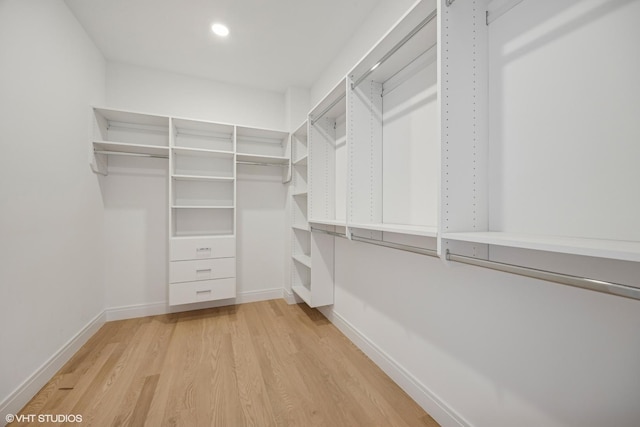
x: 259, y: 364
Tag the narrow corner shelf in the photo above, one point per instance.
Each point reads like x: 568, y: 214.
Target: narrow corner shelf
x: 303, y: 293
x: 415, y: 230
x: 302, y: 259
x: 300, y: 194
x: 302, y: 161
x: 123, y: 147
x: 599, y: 248
x: 300, y: 227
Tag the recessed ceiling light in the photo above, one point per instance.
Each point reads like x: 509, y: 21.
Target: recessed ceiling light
x: 220, y: 29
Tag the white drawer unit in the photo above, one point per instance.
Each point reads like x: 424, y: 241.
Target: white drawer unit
x: 203, y: 248
x: 202, y: 269
x: 200, y: 291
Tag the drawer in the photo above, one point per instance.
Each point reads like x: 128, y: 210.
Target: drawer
x: 201, y: 269
x: 202, y: 248
x: 204, y: 290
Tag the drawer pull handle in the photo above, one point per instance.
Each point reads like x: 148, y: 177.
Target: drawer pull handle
x: 207, y: 291
x: 204, y: 270
x: 203, y: 249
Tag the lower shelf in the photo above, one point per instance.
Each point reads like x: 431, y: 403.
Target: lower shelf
x: 303, y: 293
x: 200, y: 291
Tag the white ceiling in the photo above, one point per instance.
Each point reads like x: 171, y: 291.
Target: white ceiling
x: 273, y: 44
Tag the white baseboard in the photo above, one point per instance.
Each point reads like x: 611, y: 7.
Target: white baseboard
x: 32, y: 385
x: 137, y: 310
x: 290, y: 297
x: 154, y: 309
x: 428, y: 400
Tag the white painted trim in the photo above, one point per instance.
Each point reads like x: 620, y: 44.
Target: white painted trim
x: 427, y: 399
x: 32, y: 385
x: 138, y: 310
x: 290, y: 297
x: 157, y: 308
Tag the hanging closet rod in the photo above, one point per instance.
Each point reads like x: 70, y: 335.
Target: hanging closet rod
x: 398, y: 246
x: 565, y: 279
x: 242, y: 162
x: 330, y: 233
x: 326, y: 110
x: 122, y: 153
x: 395, y: 48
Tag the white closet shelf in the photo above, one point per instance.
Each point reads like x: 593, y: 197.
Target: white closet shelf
x: 613, y: 249
x: 222, y: 235
x: 123, y: 147
x: 303, y: 293
x: 302, y: 259
x: 334, y: 222
x: 300, y: 227
x: 258, y: 158
x: 416, y: 230
x: 201, y: 207
x: 302, y: 161
x: 201, y: 152
x: 202, y: 178
x: 300, y: 193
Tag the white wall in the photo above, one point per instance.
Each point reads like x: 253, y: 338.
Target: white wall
x: 51, y: 237
x: 380, y: 20
x: 159, y: 92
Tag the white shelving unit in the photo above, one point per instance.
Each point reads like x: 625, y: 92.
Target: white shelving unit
x: 314, y: 293
x: 202, y: 192
x: 126, y: 133
x: 524, y: 165
x: 393, y: 130
x: 264, y: 147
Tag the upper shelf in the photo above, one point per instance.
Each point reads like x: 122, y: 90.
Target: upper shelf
x: 121, y: 147
x: 415, y: 230
x: 613, y: 249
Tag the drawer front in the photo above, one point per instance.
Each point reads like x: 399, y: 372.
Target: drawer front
x: 204, y: 290
x: 201, y: 269
x: 203, y: 248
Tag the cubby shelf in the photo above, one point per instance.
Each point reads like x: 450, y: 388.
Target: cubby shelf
x: 300, y: 227
x: 302, y: 161
x: 201, y: 152
x: 614, y: 249
x: 334, y: 222
x: 302, y: 259
x: 300, y: 194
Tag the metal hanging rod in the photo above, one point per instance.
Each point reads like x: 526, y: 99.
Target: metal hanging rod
x: 121, y: 153
x: 565, y: 279
x: 398, y: 246
x: 326, y: 110
x: 331, y: 233
x: 395, y: 48
x: 242, y: 162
